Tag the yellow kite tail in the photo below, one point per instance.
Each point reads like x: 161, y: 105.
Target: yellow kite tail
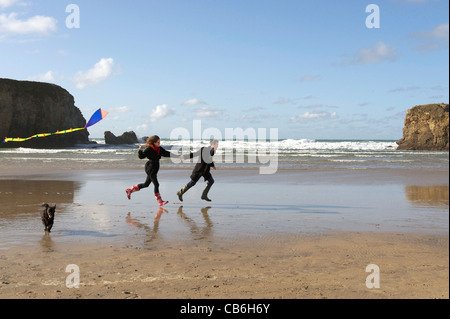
x: 19, y: 139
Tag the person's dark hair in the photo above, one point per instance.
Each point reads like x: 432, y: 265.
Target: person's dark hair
x: 152, y: 140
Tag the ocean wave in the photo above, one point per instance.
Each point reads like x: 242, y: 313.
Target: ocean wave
x: 290, y: 153
x: 290, y: 145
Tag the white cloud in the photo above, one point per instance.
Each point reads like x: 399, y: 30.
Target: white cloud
x: 378, y: 53
x: 256, y: 117
x: 207, y: 112
x: 7, y: 3
x: 100, y: 72
x: 405, y: 89
x: 160, y: 112
x: 440, y: 32
x: 435, y: 39
x: 46, y: 77
x: 11, y: 25
x: 310, y: 78
x: 316, y: 116
x: 121, y: 109
x: 141, y: 127
x: 193, y: 101
x: 283, y: 100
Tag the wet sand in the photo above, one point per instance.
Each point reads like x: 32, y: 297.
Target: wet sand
x: 283, y: 267
x: 293, y: 235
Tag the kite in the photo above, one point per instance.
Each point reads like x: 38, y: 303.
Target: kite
x: 96, y: 117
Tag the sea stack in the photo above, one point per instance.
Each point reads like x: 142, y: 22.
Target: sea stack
x: 426, y: 128
x: 125, y: 138
x: 28, y: 108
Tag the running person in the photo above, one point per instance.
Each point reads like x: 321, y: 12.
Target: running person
x: 202, y: 168
x: 153, y: 152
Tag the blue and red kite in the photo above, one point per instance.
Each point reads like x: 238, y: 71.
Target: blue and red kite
x: 95, y: 118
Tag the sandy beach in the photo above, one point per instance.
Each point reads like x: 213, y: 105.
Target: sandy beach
x: 297, y: 234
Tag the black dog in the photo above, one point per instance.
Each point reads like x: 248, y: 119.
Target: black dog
x: 48, y: 216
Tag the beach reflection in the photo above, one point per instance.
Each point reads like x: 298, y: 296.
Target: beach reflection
x: 432, y: 196
x: 151, y: 233
x: 27, y: 196
x: 47, y: 243
x: 196, y: 231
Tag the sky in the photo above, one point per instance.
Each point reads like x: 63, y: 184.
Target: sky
x: 321, y: 69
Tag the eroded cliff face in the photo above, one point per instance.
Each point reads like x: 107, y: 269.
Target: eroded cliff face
x: 426, y: 128
x: 28, y: 108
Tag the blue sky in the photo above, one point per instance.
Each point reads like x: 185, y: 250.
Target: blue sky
x: 312, y: 69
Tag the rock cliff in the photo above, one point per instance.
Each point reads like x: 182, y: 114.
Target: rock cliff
x: 28, y: 108
x: 426, y: 128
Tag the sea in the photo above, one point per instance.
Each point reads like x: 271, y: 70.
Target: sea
x: 234, y: 154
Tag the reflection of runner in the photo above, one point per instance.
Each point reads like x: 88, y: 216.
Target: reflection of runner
x: 159, y: 213
x: 198, y: 232
x: 202, y: 168
x: 137, y: 223
x: 133, y: 221
x: 151, y: 232
x: 153, y: 152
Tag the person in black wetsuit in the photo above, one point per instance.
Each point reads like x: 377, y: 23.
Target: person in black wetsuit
x: 202, y: 168
x: 153, y: 152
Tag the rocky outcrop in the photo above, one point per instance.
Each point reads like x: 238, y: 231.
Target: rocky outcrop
x: 29, y: 108
x: 125, y: 138
x: 426, y: 128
